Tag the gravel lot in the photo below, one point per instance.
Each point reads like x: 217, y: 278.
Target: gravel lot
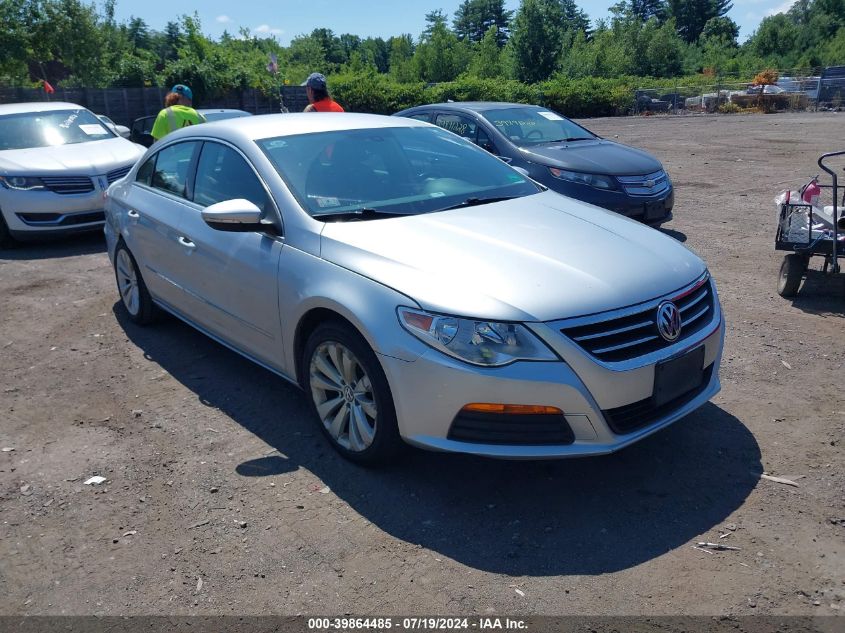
x: 222, y: 497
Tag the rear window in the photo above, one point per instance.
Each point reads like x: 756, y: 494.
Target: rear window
x: 49, y: 129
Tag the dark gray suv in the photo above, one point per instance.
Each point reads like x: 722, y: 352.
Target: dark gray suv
x: 562, y: 155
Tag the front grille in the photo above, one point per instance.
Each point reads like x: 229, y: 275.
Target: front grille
x: 117, y: 174
x: 652, y: 184
x: 68, y: 184
x: 61, y: 219
x: 523, y: 430
x: 617, y: 338
x: 636, y: 415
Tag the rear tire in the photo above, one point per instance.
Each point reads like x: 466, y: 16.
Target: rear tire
x: 350, y: 395
x: 791, y: 273
x: 134, y: 295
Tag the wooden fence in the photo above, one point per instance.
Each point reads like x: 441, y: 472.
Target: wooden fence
x: 124, y: 105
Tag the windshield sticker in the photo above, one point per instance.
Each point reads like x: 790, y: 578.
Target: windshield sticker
x: 277, y: 144
x: 324, y: 203
x: 437, y: 194
x: 93, y: 129
x: 69, y: 121
x: 551, y: 116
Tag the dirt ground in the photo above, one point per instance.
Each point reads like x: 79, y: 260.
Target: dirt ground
x: 223, y: 498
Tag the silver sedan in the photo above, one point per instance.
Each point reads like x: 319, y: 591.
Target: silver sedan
x: 415, y: 287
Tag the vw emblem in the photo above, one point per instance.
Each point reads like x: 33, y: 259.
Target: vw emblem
x: 649, y: 183
x: 669, y: 321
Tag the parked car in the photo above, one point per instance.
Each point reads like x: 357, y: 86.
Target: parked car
x: 648, y: 101
x: 416, y: 287
x: 120, y: 130
x: 56, y: 162
x: 562, y: 155
x: 143, y: 126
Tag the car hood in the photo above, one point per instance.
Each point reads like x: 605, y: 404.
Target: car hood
x: 598, y: 157
x: 538, y: 258
x: 83, y: 159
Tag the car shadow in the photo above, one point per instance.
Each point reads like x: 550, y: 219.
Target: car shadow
x: 55, y: 248
x: 681, y: 237
x: 822, y: 294
x: 585, y: 516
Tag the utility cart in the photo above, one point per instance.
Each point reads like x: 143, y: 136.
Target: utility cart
x: 807, y: 228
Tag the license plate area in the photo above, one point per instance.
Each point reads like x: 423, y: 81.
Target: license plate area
x: 673, y: 378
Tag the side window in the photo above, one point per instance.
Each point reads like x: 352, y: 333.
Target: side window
x: 223, y: 174
x: 171, y: 168
x: 424, y: 116
x: 484, y: 141
x: 145, y: 173
x: 457, y: 124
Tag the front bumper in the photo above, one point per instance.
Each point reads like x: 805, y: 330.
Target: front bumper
x: 430, y: 391
x: 652, y: 210
x: 42, y: 213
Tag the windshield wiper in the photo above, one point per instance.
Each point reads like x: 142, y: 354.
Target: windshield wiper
x: 355, y: 214
x: 473, y: 202
x: 572, y: 138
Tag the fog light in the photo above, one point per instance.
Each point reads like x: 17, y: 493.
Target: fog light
x: 511, y: 409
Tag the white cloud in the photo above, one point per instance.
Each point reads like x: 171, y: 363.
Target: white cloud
x: 781, y: 8
x: 266, y: 29
x: 223, y: 19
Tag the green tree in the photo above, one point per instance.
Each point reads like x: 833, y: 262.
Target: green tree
x: 691, y: 15
x: 487, y: 58
x: 441, y: 57
x: 536, y: 39
x: 474, y: 19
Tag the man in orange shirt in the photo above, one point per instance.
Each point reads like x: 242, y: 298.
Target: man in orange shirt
x: 318, y: 95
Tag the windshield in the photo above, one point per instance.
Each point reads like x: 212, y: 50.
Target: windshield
x: 47, y: 129
x: 531, y: 126
x: 400, y: 171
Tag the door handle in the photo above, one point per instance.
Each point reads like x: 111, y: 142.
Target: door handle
x: 184, y: 241
x: 133, y: 214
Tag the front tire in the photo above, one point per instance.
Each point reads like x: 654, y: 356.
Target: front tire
x: 350, y: 395
x: 791, y: 272
x: 6, y: 239
x: 134, y: 295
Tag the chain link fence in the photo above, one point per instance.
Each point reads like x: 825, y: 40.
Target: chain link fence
x: 790, y: 94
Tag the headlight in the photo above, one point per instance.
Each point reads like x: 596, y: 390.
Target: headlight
x: 22, y: 183
x: 485, y: 343
x: 593, y: 180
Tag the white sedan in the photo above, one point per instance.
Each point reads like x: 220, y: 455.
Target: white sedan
x: 56, y: 162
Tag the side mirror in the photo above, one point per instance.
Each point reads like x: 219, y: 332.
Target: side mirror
x: 522, y: 171
x: 236, y: 215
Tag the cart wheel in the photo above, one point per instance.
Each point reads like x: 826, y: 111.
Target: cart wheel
x: 791, y: 271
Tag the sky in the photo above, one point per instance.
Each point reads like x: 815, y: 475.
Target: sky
x: 285, y: 19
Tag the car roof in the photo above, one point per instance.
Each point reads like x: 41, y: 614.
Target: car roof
x: 38, y: 106
x: 475, y: 106
x: 272, y: 125
x: 221, y: 110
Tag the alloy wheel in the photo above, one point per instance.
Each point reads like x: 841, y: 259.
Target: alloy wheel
x: 127, y: 282
x: 343, y: 396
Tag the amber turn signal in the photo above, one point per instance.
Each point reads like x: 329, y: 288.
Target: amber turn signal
x: 512, y: 409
